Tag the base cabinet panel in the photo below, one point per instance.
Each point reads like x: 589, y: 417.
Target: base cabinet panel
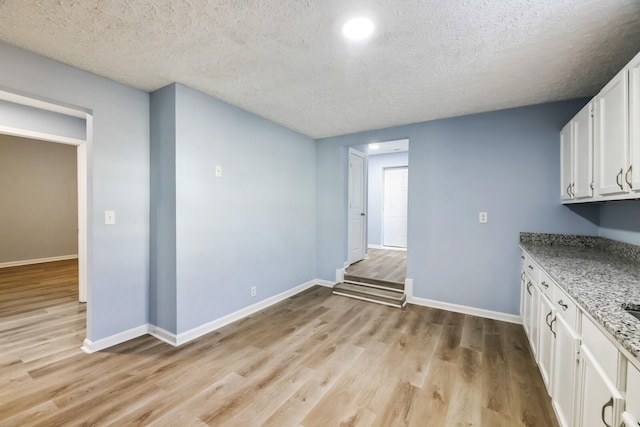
x: 565, y: 375
x: 601, y: 401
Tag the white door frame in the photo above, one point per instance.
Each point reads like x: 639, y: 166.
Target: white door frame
x: 364, y: 205
x: 82, y: 161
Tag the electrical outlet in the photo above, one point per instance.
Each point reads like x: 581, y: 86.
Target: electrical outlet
x: 109, y: 217
x: 483, y: 218
x: 218, y: 171
x: 253, y: 291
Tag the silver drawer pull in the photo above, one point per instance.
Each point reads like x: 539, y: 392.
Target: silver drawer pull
x: 531, y: 267
x: 563, y: 305
x: 609, y: 403
x: 545, y: 285
x: 529, y: 288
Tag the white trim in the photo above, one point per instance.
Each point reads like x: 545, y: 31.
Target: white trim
x: 408, y: 288
x: 201, y: 330
x: 37, y: 261
x: 7, y: 130
x: 389, y: 248
x: 325, y: 283
x: 371, y: 285
x: 93, y: 346
x: 30, y: 101
x: 163, y: 335
x: 488, y: 314
x: 340, y: 272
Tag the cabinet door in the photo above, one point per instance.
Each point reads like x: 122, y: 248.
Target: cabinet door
x: 566, y: 161
x: 546, y: 320
x: 533, y: 320
x: 612, y: 135
x: 565, y: 372
x: 633, y: 394
x: 632, y: 174
x: 528, y: 305
x: 583, y: 153
x: 601, y: 402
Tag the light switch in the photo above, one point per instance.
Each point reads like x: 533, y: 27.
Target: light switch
x: 218, y: 171
x: 109, y: 217
x: 483, y: 217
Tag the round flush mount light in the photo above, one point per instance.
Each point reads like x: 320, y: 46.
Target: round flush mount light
x: 358, y: 29
x: 374, y: 146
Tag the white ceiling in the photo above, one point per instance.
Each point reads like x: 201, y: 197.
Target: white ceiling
x: 286, y: 60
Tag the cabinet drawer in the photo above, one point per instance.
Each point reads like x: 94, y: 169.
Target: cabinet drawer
x: 565, y: 307
x: 546, y: 285
x: 604, y: 351
x: 532, y: 269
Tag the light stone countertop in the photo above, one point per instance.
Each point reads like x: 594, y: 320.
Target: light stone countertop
x: 600, y: 280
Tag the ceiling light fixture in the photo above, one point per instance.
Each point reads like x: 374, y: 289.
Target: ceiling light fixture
x: 358, y: 29
x: 374, y: 146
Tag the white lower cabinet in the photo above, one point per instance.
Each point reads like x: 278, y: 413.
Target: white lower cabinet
x: 546, y: 341
x: 565, y: 375
x: 600, y: 402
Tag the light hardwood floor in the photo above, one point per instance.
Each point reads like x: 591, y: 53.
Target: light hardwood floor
x: 313, y: 360
x: 382, y: 264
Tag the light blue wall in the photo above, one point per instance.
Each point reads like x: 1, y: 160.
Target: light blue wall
x: 162, y: 271
x: 376, y: 165
x: 255, y: 225
x: 118, y: 180
x: 504, y: 162
x: 620, y: 220
x: 34, y: 119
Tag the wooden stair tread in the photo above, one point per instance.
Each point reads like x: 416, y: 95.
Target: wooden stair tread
x: 397, y: 286
x: 371, y: 294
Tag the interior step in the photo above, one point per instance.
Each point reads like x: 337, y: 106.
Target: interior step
x: 373, y: 294
x: 382, y: 284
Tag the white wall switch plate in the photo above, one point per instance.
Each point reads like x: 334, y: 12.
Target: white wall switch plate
x: 109, y: 217
x: 483, y: 218
x: 218, y: 171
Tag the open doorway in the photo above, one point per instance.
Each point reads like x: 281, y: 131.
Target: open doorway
x: 53, y: 276
x: 380, y: 274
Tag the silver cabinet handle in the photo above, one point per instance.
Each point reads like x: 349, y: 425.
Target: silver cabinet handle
x: 546, y: 320
x: 531, y: 267
x: 618, y: 179
x: 591, y: 185
x: 529, y: 288
x: 609, y: 403
x: 626, y: 175
x: 573, y: 193
x: 562, y: 304
x: 551, y: 327
x: 569, y: 191
x: 545, y: 285
x: 522, y: 276
x: 521, y: 256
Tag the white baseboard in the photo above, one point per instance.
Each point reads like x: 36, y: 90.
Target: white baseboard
x: 37, y: 261
x: 340, y: 272
x: 163, y: 334
x: 390, y: 248
x: 325, y: 283
x: 408, y: 288
x: 488, y: 314
x: 93, y: 346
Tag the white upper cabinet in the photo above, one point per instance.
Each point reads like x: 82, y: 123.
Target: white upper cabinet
x: 583, y: 153
x: 612, y: 135
x: 633, y: 172
x: 600, y: 146
x: 566, y: 161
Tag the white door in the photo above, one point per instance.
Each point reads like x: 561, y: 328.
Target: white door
x: 612, y: 135
x: 356, y: 226
x: 396, y: 185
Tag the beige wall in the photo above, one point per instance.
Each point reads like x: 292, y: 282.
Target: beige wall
x: 38, y: 199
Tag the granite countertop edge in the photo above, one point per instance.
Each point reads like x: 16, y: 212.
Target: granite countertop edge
x: 601, y: 275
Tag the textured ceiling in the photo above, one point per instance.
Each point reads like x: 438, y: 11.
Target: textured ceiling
x: 286, y: 60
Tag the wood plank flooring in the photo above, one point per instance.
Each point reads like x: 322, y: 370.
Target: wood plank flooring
x: 312, y: 360
x: 382, y: 264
